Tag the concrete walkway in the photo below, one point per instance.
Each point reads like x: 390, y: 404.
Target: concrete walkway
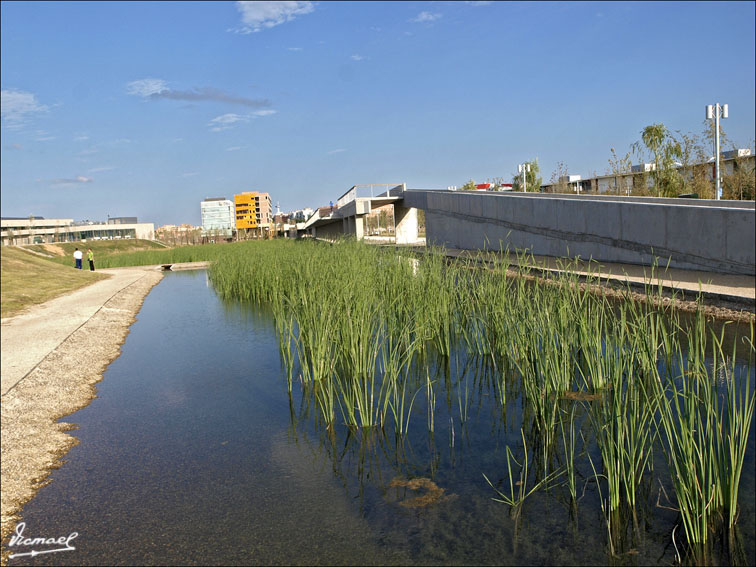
x: 735, y: 288
x: 29, y: 337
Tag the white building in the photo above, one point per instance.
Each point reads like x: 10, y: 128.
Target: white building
x: 37, y: 230
x: 218, y: 217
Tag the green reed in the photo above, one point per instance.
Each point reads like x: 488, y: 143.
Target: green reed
x: 365, y: 331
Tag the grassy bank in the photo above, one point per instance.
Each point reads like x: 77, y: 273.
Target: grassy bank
x: 62, y: 253
x: 30, y: 280
x: 125, y: 253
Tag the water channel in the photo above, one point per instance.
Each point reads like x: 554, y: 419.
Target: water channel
x: 193, y: 452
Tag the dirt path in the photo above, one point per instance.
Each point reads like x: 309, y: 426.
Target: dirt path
x: 54, y: 355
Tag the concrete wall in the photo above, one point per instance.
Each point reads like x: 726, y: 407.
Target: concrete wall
x: 329, y: 231
x: 715, y: 236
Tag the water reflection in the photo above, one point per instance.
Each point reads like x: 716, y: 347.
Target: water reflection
x: 202, y: 449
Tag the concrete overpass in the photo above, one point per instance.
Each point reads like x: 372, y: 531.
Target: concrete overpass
x: 693, y: 234
x: 347, y: 217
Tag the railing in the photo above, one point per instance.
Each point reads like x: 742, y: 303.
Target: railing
x: 365, y: 191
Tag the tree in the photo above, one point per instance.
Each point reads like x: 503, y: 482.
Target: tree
x: 469, y: 186
x: 558, y: 182
x: 694, y: 176
x: 665, y: 150
x: 533, y: 180
x: 739, y: 183
x: 620, y: 168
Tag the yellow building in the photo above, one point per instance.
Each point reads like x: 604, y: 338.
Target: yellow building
x: 253, y: 210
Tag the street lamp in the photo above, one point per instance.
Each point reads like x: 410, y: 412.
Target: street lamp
x: 524, y: 168
x: 714, y: 111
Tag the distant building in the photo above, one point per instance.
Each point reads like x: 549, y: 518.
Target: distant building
x: 632, y: 181
x: 301, y: 215
x: 36, y: 230
x: 253, y: 210
x: 122, y: 220
x: 217, y: 217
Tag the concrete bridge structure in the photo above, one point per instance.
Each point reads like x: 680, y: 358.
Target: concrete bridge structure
x: 694, y: 234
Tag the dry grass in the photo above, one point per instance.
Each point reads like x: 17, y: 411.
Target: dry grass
x: 28, y: 280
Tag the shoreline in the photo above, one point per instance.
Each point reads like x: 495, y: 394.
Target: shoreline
x: 33, y: 440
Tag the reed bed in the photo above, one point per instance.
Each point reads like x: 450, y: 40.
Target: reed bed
x: 373, y: 336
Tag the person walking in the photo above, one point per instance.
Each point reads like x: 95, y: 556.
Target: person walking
x: 77, y: 258
x: 90, y: 257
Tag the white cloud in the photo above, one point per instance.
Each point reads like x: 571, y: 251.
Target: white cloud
x: 81, y: 138
x: 357, y: 57
x: 189, y: 174
x: 480, y: 3
x: 294, y: 48
x: 257, y: 16
x: 45, y: 138
x: 337, y: 151
x: 233, y: 149
x: 425, y: 17
x: 76, y: 180
x: 104, y: 168
x: 16, y: 105
x: 227, y: 121
x: 146, y: 87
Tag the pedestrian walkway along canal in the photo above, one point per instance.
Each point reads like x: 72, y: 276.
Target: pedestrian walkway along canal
x: 194, y: 452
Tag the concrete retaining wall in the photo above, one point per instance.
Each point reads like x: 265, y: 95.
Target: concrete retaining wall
x: 696, y: 234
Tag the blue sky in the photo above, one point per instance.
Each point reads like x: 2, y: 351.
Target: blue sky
x: 146, y: 108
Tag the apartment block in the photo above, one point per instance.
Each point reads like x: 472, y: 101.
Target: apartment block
x: 253, y: 210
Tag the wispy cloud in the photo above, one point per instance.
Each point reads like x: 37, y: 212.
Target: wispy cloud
x: 336, y: 151
x: 234, y: 149
x: 66, y: 181
x: 294, y: 48
x: 228, y: 121
x: 189, y: 174
x: 479, y: 3
x: 146, y: 87
x: 104, y: 168
x: 257, y: 16
x: 155, y: 89
x: 81, y: 138
x: 357, y: 57
x: 425, y: 18
x: 16, y: 106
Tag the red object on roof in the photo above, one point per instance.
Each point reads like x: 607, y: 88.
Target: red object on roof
x: 484, y: 186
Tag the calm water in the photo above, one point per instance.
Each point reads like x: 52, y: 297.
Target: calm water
x: 194, y: 453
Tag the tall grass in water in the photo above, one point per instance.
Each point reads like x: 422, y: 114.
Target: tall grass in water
x: 706, y: 433
x: 362, y: 328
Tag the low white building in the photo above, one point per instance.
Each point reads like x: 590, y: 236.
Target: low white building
x: 38, y: 230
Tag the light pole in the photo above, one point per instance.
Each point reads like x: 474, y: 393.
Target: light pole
x: 524, y: 168
x: 715, y: 111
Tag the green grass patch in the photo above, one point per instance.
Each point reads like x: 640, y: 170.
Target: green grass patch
x: 30, y: 280
x: 62, y: 252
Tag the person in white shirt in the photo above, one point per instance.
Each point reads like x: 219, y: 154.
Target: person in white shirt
x: 78, y: 256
